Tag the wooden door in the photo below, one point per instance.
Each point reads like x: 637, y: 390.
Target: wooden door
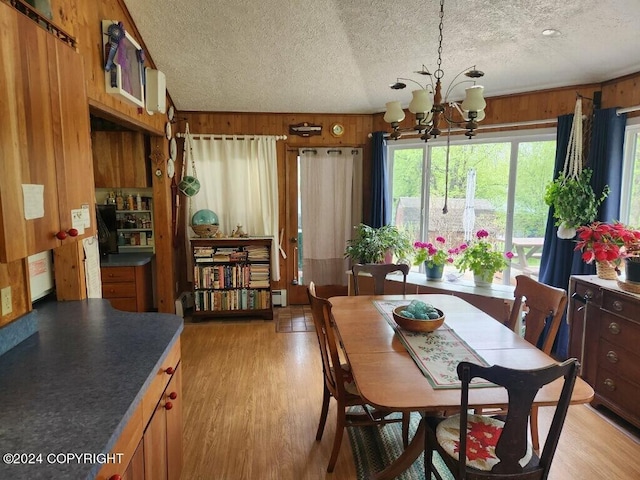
x: 135, y: 470
x: 155, y: 445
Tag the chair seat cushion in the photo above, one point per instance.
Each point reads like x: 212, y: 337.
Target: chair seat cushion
x: 349, y: 384
x: 482, y: 437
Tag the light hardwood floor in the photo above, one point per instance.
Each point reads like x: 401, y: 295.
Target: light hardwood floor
x: 252, y: 400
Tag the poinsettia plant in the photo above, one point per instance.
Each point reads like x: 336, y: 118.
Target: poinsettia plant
x: 606, y: 242
x: 482, y: 257
x: 433, y: 254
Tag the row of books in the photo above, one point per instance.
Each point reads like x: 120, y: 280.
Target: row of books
x: 224, y: 276
x: 219, y: 255
x: 241, y: 299
x: 257, y: 252
x: 259, y: 276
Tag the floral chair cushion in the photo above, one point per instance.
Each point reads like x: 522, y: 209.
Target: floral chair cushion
x: 349, y: 384
x: 482, y: 436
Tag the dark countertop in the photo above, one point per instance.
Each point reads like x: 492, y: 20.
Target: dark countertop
x: 126, y: 259
x: 72, y: 386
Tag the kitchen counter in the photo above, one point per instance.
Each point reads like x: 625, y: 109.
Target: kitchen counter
x: 126, y: 259
x: 72, y: 386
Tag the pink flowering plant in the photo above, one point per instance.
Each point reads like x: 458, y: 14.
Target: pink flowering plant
x: 482, y: 257
x: 433, y: 254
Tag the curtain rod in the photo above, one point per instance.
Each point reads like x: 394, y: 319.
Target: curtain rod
x: 620, y: 111
x: 497, y: 125
x: 213, y: 136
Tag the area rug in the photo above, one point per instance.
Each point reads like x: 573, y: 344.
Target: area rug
x: 375, y: 447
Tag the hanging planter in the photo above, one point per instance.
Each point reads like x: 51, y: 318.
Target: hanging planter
x: 573, y: 200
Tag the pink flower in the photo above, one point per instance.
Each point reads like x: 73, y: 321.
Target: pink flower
x: 509, y: 255
x: 463, y: 247
x: 482, y: 234
x: 440, y: 239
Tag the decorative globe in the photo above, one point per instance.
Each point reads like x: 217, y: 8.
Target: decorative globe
x: 204, y: 223
x: 204, y: 217
x: 189, y: 186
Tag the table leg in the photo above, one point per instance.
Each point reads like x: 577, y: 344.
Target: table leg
x: 406, y: 458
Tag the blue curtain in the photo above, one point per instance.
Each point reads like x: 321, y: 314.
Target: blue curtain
x: 559, y: 260
x: 380, y: 199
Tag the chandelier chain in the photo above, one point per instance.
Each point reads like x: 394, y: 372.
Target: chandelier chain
x: 438, y: 74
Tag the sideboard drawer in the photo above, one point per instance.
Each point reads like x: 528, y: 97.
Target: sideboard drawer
x: 619, y: 331
x: 618, y: 360
x: 621, y: 305
x: 619, y: 391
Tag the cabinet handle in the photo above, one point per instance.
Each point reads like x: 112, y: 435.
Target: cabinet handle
x: 617, y: 306
x: 610, y: 384
x: 612, y: 356
x: 72, y: 232
x: 169, y: 371
x: 173, y: 395
x: 115, y: 477
x: 614, y: 328
x: 168, y: 406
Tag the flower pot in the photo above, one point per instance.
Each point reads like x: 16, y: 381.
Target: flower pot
x: 606, y: 270
x: 632, y: 271
x: 435, y: 272
x: 484, y: 279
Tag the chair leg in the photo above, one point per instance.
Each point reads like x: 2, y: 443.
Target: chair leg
x: 337, y: 439
x: 326, y: 396
x: 535, y: 441
x: 406, y: 418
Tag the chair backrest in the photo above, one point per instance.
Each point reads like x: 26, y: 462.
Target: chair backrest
x: 334, y: 375
x: 379, y: 272
x: 545, y: 304
x: 522, y: 387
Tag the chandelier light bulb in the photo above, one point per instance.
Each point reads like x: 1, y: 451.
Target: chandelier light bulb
x: 421, y: 102
x: 474, y: 100
x: 394, y: 113
x: 479, y: 116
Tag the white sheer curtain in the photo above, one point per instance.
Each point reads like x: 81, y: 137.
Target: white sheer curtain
x: 331, y: 204
x: 239, y: 181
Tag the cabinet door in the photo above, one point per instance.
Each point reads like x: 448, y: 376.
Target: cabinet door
x: 135, y: 470
x: 119, y: 160
x: 174, y: 426
x: 155, y: 444
x: 26, y: 136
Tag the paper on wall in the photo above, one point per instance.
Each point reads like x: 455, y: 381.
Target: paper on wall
x: 92, y: 267
x: 78, y: 219
x: 33, y: 199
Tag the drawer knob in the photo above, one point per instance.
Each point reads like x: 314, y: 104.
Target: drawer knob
x: 610, y: 384
x: 588, y: 294
x: 612, y: 356
x: 115, y: 477
x: 617, y: 306
x: 173, y: 395
x: 168, y: 406
x: 614, y: 328
x: 169, y: 371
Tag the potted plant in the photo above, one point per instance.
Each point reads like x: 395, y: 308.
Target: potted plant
x: 482, y: 258
x: 434, y: 256
x: 607, y: 244
x: 574, y: 202
x: 372, y: 245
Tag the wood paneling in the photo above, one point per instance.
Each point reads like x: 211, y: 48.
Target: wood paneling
x: 119, y: 160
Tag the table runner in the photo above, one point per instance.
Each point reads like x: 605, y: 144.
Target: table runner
x: 437, y: 353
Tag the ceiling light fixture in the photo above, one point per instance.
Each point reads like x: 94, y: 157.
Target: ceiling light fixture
x: 428, y: 105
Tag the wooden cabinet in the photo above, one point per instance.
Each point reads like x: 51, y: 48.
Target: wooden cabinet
x: 120, y: 160
x: 44, y: 138
x: 151, y: 441
x: 604, y: 335
x: 232, y: 277
x: 128, y: 288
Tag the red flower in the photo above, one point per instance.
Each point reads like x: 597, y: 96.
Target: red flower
x: 605, y: 242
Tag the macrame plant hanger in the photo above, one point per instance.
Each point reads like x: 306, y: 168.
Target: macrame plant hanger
x: 189, y: 184
x: 574, y: 159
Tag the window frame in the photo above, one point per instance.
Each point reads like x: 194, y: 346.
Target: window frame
x: 631, y: 138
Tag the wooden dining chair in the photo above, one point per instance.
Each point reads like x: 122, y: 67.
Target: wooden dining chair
x: 499, y: 448
x: 545, y: 307
x: 379, y: 272
x: 338, y: 381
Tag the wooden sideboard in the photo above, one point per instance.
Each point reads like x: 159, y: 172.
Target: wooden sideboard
x: 604, y: 325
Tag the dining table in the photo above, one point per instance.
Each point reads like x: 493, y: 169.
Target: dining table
x: 389, y: 378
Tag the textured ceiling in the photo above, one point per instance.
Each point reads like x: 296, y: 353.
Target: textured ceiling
x: 339, y: 56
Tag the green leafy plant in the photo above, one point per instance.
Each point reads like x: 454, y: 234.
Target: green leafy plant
x: 481, y: 257
x: 573, y: 200
x: 370, y: 245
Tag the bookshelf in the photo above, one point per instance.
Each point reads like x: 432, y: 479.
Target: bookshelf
x: 232, y: 277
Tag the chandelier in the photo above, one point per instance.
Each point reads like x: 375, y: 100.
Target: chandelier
x: 428, y: 105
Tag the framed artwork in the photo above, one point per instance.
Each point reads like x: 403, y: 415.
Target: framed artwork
x: 124, y: 63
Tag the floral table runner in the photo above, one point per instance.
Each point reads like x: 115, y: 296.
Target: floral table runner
x: 437, y: 353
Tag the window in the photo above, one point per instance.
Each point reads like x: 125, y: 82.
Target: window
x: 495, y: 182
x: 630, y: 194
